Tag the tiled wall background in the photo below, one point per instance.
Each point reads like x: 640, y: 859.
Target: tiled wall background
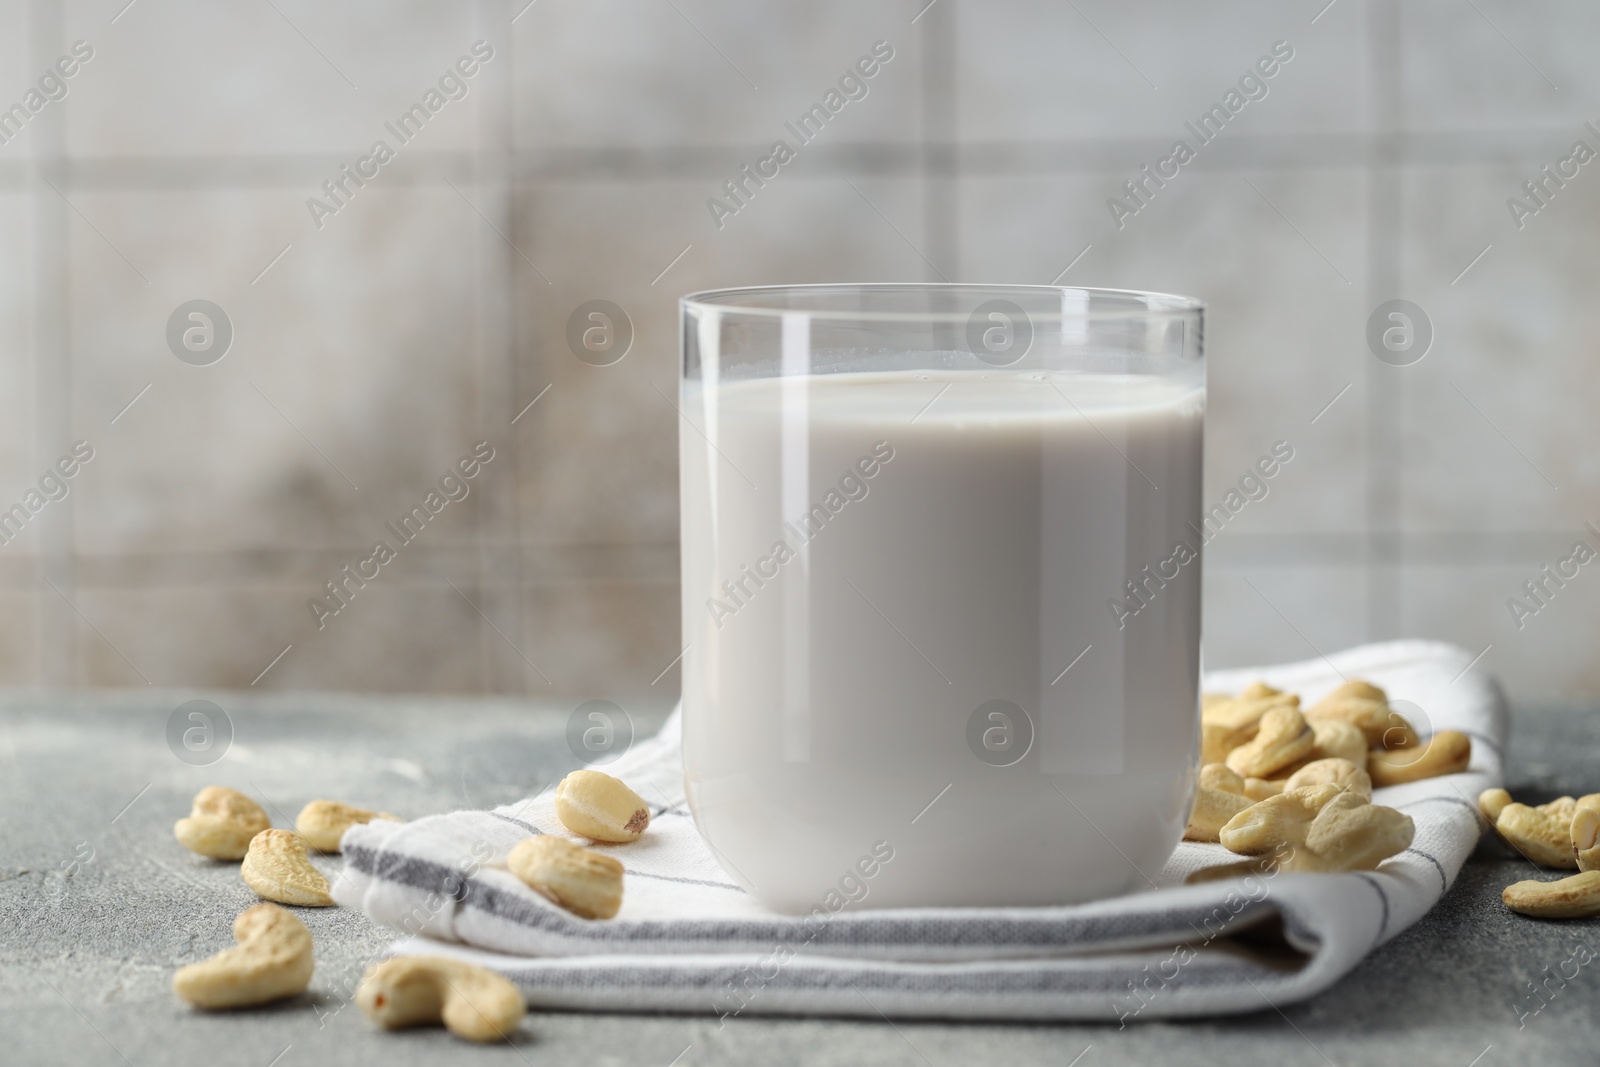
x: 430, y: 311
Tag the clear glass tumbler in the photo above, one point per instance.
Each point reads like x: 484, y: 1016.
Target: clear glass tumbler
x: 941, y: 589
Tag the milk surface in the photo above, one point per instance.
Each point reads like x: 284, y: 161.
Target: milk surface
x: 874, y: 564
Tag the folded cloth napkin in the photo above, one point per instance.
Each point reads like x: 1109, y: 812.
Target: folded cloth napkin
x: 690, y: 940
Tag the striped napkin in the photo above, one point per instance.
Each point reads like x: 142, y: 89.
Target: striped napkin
x: 689, y: 939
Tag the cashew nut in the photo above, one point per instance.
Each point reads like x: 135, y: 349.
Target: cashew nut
x: 1262, y: 788
x: 1544, y: 838
x: 1359, y: 704
x: 1447, y: 752
x: 473, y: 1003
x: 1585, y: 831
x: 1218, y: 776
x: 1351, y: 834
x: 1575, y: 897
x: 322, y: 823
x: 1216, y: 741
x: 1340, y: 772
x: 1212, y: 810
x: 1358, y: 690
x: 277, y: 868
x: 1244, y: 713
x: 579, y: 879
x: 1223, y: 778
x: 1338, y: 740
x: 599, y: 806
x: 221, y: 823
x: 1281, y: 739
x: 1319, y: 828
x: 272, y: 961
x: 1368, y: 716
x: 1284, y: 819
x: 1228, y: 722
x: 1560, y: 807
x: 1491, y: 802
x: 1398, y: 733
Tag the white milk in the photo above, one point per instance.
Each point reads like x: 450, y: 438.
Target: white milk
x: 836, y: 662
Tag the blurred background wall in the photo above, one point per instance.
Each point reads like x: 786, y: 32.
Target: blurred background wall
x: 374, y: 345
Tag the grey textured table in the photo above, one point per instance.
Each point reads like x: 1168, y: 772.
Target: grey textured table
x: 98, y: 906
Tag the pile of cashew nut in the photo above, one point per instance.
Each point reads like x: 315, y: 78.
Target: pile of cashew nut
x: 273, y: 958
x: 1564, y: 835
x: 1292, y: 787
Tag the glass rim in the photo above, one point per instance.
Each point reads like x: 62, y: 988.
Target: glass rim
x: 1139, y: 304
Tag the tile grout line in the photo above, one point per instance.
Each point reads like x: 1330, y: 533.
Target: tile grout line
x: 1383, y: 383
x: 58, y: 625
x: 941, y: 194
x: 1455, y: 548
x: 1089, y: 155
x: 514, y: 613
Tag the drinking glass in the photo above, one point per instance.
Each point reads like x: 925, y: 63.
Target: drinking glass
x: 941, y: 589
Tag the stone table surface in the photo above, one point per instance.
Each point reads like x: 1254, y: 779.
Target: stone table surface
x: 99, y: 905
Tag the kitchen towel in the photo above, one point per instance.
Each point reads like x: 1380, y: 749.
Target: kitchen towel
x: 688, y: 939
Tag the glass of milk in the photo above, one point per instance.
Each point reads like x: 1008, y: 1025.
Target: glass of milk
x: 941, y: 589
